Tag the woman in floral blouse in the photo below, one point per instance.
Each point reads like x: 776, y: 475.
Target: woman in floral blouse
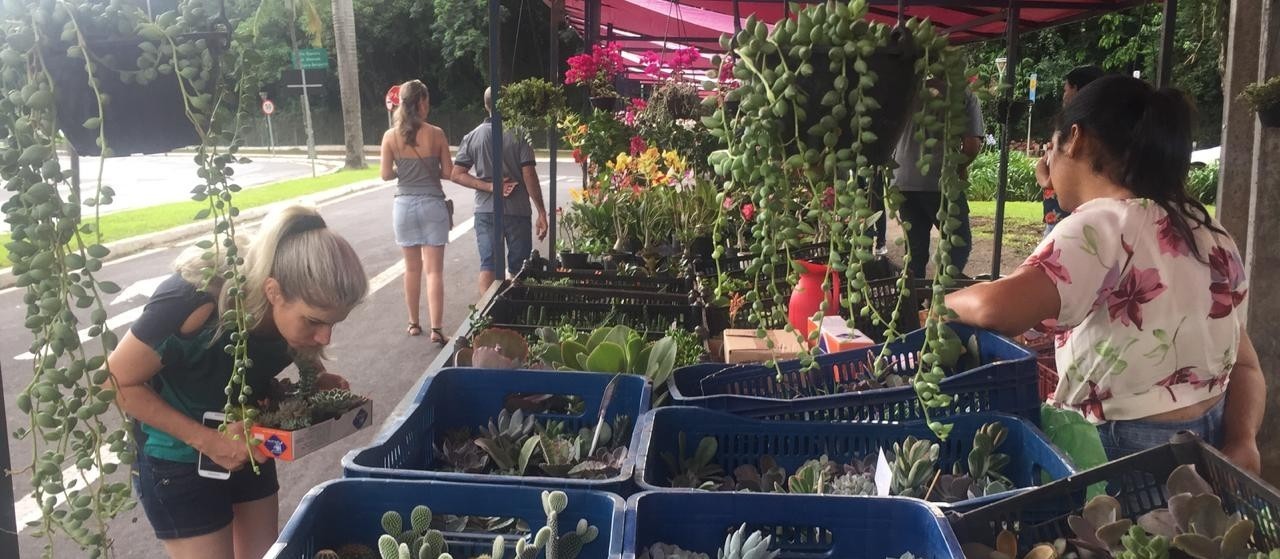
x: 1148, y: 291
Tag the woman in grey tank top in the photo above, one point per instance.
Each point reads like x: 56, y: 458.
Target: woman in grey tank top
x: 415, y: 153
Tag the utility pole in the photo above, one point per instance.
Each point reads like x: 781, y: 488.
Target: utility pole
x: 306, y: 99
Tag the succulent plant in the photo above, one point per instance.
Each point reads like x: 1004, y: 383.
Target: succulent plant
x: 606, y: 463
x: 1196, y: 521
x: 326, y: 554
x: 697, y: 471
x: 508, y: 343
x: 1138, y: 544
x: 460, y: 455
x: 769, y: 477
x: 914, y: 463
x: 984, y: 462
x: 507, y: 441
x: 853, y: 484
x: 292, y: 414
x: 739, y: 545
x: 333, y: 402
x: 810, y: 478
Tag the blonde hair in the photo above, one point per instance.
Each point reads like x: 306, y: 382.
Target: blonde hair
x: 295, y: 247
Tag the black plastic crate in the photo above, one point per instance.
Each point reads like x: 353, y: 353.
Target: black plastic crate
x: 1137, y: 481
x: 540, y: 275
x: 525, y: 308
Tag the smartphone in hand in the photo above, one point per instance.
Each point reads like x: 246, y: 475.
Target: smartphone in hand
x: 206, y: 467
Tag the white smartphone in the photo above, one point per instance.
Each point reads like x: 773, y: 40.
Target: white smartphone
x: 207, y: 467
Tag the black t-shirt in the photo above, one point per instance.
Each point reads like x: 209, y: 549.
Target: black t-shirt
x: 196, y: 368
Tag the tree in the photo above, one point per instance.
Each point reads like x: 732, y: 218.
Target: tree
x: 344, y: 36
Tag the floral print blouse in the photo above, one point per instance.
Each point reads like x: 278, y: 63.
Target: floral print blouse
x: 1144, y: 327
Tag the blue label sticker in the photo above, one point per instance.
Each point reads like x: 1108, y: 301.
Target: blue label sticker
x: 360, y: 419
x: 275, y: 445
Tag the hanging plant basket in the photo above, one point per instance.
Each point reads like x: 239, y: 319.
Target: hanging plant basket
x: 609, y: 104
x: 895, y: 89
x: 1270, y: 116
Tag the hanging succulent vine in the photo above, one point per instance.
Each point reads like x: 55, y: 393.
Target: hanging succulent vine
x: 820, y: 107
x: 57, y: 254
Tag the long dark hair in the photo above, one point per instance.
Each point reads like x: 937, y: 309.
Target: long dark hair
x: 1141, y: 139
x: 408, y: 121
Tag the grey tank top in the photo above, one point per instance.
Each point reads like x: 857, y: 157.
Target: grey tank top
x: 419, y: 177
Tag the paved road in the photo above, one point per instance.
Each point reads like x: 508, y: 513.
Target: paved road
x: 370, y: 348
x: 146, y: 180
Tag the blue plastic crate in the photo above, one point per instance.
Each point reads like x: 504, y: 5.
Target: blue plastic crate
x: 1006, y: 381
x: 347, y: 511
x: 463, y: 397
x: 744, y: 441
x: 1137, y: 481
x: 801, y: 526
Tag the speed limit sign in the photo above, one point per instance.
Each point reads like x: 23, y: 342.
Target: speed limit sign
x: 393, y: 98
x: 268, y: 107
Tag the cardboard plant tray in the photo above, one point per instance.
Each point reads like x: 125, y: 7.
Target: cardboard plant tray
x: 292, y: 445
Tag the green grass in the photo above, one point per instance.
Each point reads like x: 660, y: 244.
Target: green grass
x: 1021, y: 211
x: 131, y: 223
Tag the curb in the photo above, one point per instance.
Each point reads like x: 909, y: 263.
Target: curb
x: 134, y: 245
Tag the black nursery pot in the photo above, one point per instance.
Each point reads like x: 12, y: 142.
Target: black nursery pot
x: 574, y: 260
x: 896, y: 88
x: 605, y: 103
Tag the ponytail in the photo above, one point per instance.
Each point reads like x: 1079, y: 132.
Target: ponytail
x: 407, y: 117
x: 1141, y: 139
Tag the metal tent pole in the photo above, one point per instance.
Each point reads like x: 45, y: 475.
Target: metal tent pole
x: 1010, y: 78
x: 495, y: 157
x: 1164, y: 74
x: 557, y: 13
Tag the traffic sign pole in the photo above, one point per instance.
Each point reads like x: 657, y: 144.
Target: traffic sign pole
x: 1031, y: 92
x: 267, y: 108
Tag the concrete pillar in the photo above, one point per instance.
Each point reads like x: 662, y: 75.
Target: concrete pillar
x: 1262, y: 263
x: 1235, y: 168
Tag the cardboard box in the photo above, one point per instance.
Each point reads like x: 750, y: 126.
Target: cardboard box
x: 835, y: 335
x: 742, y: 346
x: 292, y: 445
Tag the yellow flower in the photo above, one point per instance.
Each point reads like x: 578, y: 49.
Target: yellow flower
x: 577, y: 194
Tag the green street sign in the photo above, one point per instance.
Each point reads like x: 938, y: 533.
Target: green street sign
x: 311, y: 59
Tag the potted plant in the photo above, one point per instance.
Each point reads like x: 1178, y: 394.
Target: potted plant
x: 826, y: 96
x: 571, y: 255
x: 532, y: 105
x: 1264, y: 97
x: 597, y: 71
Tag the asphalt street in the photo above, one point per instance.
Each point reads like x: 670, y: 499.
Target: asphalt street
x: 370, y: 348
x: 147, y: 180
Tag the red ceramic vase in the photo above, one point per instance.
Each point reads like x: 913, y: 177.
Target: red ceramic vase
x: 807, y: 297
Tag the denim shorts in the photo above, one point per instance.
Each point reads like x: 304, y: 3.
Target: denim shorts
x: 1122, y: 438
x: 181, y: 504
x: 519, y: 237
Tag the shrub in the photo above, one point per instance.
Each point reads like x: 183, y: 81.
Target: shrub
x: 984, y: 175
x: 1202, y: 183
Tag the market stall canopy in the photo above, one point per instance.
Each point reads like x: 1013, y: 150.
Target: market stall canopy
x: 700, y: 23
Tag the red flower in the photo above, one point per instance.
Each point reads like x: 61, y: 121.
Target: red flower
x: 748, y: 211
x: 1051, y: 217
x: 1048, y: 193
x: 728, y: 203
x: 1185, y: 375
x: 1226, y: 273
x: 577, y: 156
x: 1170, y: 241
x: 829, y: 197
x: 1046, y: 259
x: 637, y: 145
x: 1137, y: 288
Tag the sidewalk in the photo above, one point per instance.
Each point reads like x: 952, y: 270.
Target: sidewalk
x: 371, y: 152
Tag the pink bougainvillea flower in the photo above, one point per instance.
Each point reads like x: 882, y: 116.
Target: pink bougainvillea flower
x: 1047, y: 260
x: 748, y: 211
x: 728, y: 203
x: 637, y: 145
x: 1137, y: 288
x: 1226, y: 274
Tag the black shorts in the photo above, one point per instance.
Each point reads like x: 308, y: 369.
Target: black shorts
x: 181, y: 504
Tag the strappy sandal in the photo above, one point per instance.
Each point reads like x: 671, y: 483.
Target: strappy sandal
x: 414, y: 329
x: 437, y: 337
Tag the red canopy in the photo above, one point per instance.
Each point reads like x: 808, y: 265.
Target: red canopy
x: 640, y: 25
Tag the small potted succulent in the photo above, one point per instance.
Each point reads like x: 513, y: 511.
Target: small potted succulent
x: 570, y: 239
x: 597, y: 70
x: 1264, y: 97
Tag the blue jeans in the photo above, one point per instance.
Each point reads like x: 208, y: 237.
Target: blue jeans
x: 518, y: 233
x: 1122, y: 438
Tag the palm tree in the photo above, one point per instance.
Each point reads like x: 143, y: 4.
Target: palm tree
x: 344, y: 37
